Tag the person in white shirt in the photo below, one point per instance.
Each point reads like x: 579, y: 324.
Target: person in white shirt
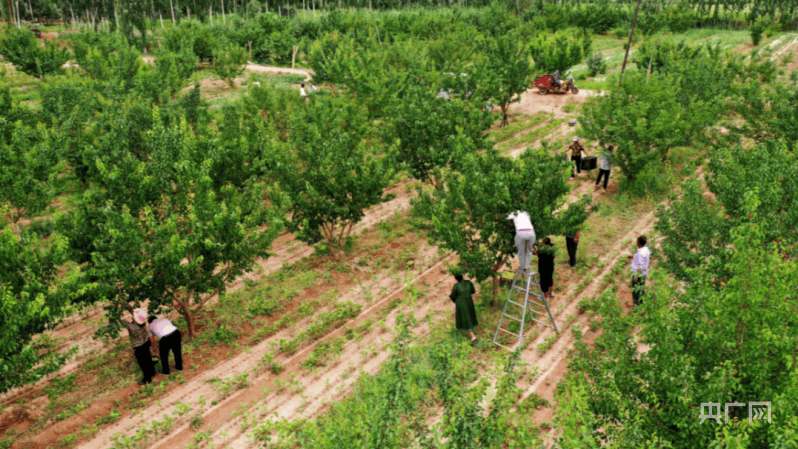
x: 170, y: 340
x: 524, y: 237
x: 302, y: 92
x: 639, y: 270
x: 605, y: 166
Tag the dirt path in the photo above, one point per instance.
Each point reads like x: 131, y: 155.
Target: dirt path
x: 532, y: 102
x: 267, y: 69
x: 254, y: 68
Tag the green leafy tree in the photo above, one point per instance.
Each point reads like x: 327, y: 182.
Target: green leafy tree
x: 158, y: 229
x: 133, y: 16
x: 643, y: 120
x: 559, y: 51
x: 31, y: 301
x: 698, y: 229
x: 113, y: 63
x: 703, y: 345
x: 21, y: 48
x: 331, y: 176
x: 769, y: 111
x: 174, y: 69
x: 192, y: 34
x: 429, y: 130
x: 505, y: 71
x: 28, y: 167
x: 468, y: 214
x: 228, y: 62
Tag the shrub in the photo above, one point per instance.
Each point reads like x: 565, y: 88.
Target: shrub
x: 21, y: 48
x: 757, y: 29
x: 560, y: 52
x: 113, y: 416
x: 596, y: 64
x: 193, y: 34
x: 228, y: 62
x: 596, y: 18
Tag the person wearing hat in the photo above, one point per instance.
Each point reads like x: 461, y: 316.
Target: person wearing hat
x: 169, y: 339
x: 545, y: 253
x: 139, y: 335
x: 576, y: 150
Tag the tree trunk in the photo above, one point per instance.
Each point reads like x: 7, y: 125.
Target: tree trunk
x: 184, y: 310
x: 651, y: 61
x: 495, y: 294
x: 172, y: 8
x: 10, y: 12
x: 629, y: 45
x: 224, y: 17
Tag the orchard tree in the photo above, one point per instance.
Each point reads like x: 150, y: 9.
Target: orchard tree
x: 429, y: 130
x: 642, y: 119
x: 229, y: 61
x: 770, y: 111
x: 703, y: 344
x: 21, y: 48
x: 468, y: 214
x: 698, y: 229
x: 330, y: 173
x: 159, y: 229
x: 504, y: 72
x: 32, y: 300
x: 559, y: 51
x: 28, y: 167
x: 133, y: 15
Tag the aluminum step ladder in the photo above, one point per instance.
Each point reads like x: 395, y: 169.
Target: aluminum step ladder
x: 535, y: 303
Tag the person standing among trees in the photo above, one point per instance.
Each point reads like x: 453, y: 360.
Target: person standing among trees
x: 571, y: 243
x: 465, y: 314
x: 169, y: 339
x: 302, y: 92
x: 639, y: 270
x: 139, y: 335
x: 605, y: 166
x: 576, y: 150
x: 546, y: 255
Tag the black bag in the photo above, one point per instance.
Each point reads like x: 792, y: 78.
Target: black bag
x: 589, y: 163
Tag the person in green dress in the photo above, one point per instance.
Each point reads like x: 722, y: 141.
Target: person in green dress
x: 465, y: 313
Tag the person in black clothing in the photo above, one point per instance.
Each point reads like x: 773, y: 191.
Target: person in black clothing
x: 571, y: 243
x: 545, y: 255
x: 169, y: 339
